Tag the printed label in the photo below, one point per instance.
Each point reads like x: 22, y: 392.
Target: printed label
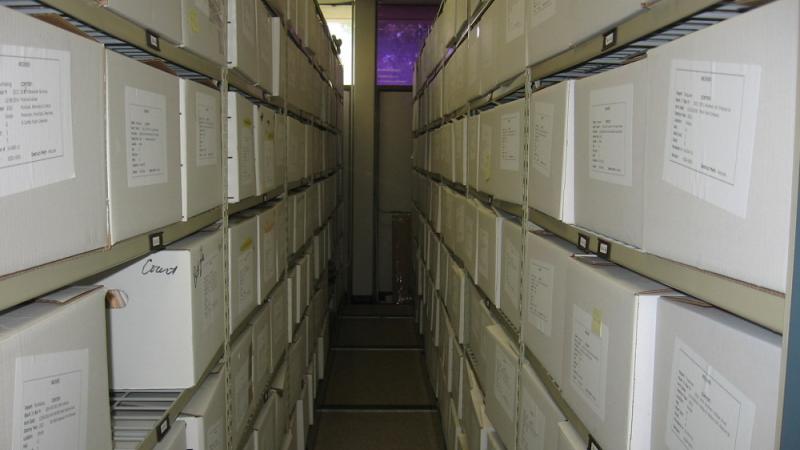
x: 215, y: 436
x: 511, y: 268
x: 145, y: 132
x: 246, y: 141
x: 483, y: 253
x: 541, y: 11
x: 36, y: 147
x: 246, y: 278
x: 532, y: 422
x: 705, y: 410
x: 589, y: 361
x: 207, y: 117
x: 207, y: 282
x: 611, y: 135
x: 505, y: 381
x: 711, y: 123
x: 541, y: 279
x: 51, y: 401
x: 543, y: 117
x: 485, y: 152
x: 515, y: 19
x: 509, y: 142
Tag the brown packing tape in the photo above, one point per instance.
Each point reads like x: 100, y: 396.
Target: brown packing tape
x: 60, y: 22
x: 116, y: 299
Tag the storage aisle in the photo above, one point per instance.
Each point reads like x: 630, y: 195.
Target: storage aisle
x: 377, y: 395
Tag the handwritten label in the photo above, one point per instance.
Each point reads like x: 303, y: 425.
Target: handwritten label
x: 505, y: 381
x: 542, y: 131
x: 541, y: 281
x: 207, y: 131
x: 611, y: 135
x: 711, y: 121
x: 36, y: 147
x: 51, y: 401
x: 509, y: 141
x: 541, y: 11
x: 532, y: 422
x: 589, y: 361
x: 515, y: 20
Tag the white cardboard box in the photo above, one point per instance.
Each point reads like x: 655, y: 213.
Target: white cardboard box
x: 280, y: 322
x: 609, y: 351
x: 473, y: 148
x: 718, y: 377
x: 456, y: 284
x: 201, y: 148
x: 266, y: 248
x: 549, y: 259
x: 511, y: 271
x: 476, y: 425
x: 610, y: 122
x: 265, y: 150
x: 204, y: 415
x: 164, y: 328
x: 53, y: 207
x: 264, y: 425
x: 266, y: 47
x: 551, y: 147
x: 262, y: 350
x: 490, y: 235
x: 242, y: 268
x: 460, y: 149
x: 508, y: 39
x: 241, y: 372
x: 203, y: 28
x: 296, y: 150
x: 721, y: 200
x: 143, y: 151
x: 243, y: 40
x: 568, y: 438
x: 488, y: 128
x: 539, y: 416
x: 480, y: 318
x: 163, y: 17
x: 280, y: 150
x: 241, y: 149
x: 175, y: 438
x: 45, y: 358
x: 470, y: 248
x: 501, y: 383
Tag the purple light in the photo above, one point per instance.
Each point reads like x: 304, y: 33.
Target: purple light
x: 401, y: 33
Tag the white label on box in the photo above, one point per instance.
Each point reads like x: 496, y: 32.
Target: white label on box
x: 483, y: 255
x: 505, y: 381
x: 543, y: 116
x: 485, y: 153
x: 589, y: 360
x: 145, y: 133
x: 246, y: 278
x: 541, y: 11
x: 611, y: 135
x: 705, y: 410
x: 36, y: 147
x: 247, y: 167
x: 51, y: 394
x: 207, y: 117
x: 541, y: 276
x: 207, y: 279
x: 532, y: 423
x: 711, y: 125
x: 511, y: 268
x: 515, y: 20
x: 509, y: 142
x: 215, y: 436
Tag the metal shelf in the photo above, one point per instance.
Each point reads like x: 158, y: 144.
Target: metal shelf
x: 32, y: 283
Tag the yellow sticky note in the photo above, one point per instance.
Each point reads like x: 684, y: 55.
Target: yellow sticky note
x: 194, y: 23
x: 597, y: 322
x: 248, y: 122
x: 246, y: 245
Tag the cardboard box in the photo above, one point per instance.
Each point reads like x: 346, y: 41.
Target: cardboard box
x: 262, y: 350
x: 204, y: 415
x: 54, y: 207
x: 470, y: 247
x: 203, y: 29
x: 551, y: 144
x: 241, y: 381
x: 568, y: 438
x: 280, y: 149
x: 159, y: 16
x: 509, y: 40
x: 473, y: 73
x: 266, y: 48
x: 476, y: 425
x: 265, y: 150
x: 281, y: 211
x: 46, y: 359
x: 242, y: 268
x: 721, y: 398
x: 610, y: 123
x: 480, y: 319
x: 201, y: 148
x: 164, y: 328
x: 297, y: 150
x: 251, y: 442
x: 501, y: 383
x: 243, y: 41
x: 490, y: 237
x: 455, y: 300
x: 144, y: 172
x: 266, y: 249
x: 241, y: 149
x: 460, y: 151
x: 175, y: 438
x: 487, y: 128
x: 555, y: 26
x: 264, y: 426
x: 549, y: 260
x: 539, y: 416
x: 299, y: 220
x: 721, y: 199
x: 609, y: 349
x: 510, y: 262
